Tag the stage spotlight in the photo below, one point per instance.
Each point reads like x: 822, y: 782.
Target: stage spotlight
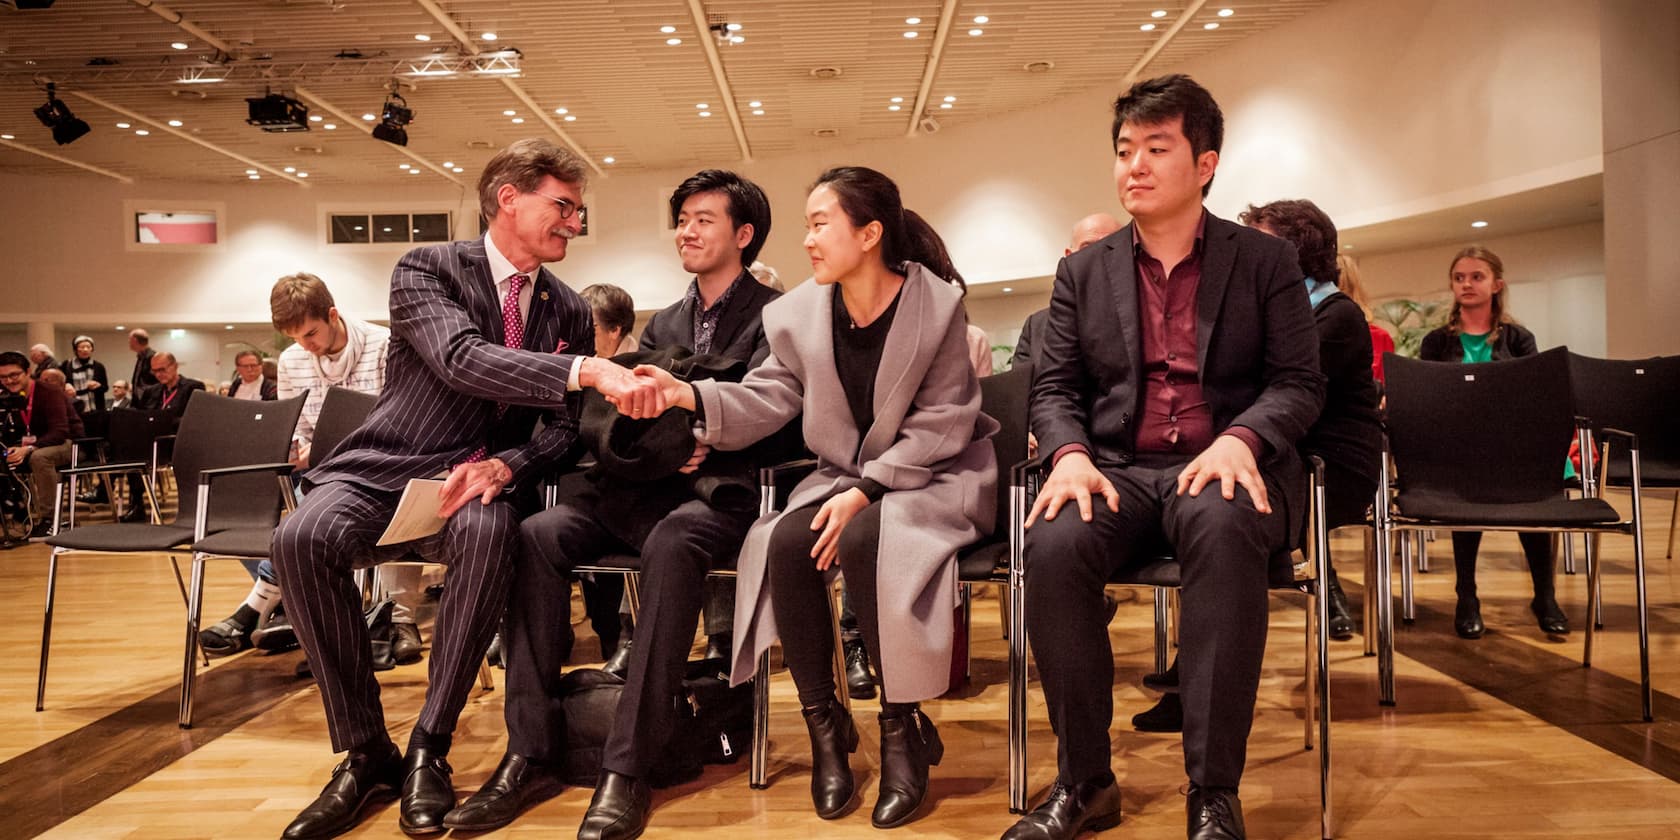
x: 395, y: 115
x: 277, y: 113
x: 66, y: 128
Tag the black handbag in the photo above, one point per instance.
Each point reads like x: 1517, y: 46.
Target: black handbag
x: 713, y: 723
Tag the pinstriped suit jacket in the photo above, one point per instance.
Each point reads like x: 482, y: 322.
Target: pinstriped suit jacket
x: 446, y: 370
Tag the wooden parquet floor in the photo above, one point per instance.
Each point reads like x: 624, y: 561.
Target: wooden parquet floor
x: 1503, y: 737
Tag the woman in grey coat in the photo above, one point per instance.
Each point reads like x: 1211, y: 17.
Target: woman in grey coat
x: 875, y: 355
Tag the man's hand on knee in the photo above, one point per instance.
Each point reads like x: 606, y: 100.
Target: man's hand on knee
x: 1230, y: 461
x: 1074, y: 478
x: 481, y: 479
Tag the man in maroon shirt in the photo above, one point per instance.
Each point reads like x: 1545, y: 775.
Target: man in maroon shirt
x: 1180, y: 357
x: 46, y: 445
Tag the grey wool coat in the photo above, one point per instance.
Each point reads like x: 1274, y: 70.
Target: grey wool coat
x: 928, y: 446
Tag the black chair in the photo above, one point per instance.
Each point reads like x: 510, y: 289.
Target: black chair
x: 217, y: 436
x: 128, y: 449
x: 342, y: 410
x: 1481, y: 448
x: 1634, y: 395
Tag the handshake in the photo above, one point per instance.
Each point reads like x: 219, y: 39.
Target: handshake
x: 644, y: 392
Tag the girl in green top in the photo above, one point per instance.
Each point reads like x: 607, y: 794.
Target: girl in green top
x: 1480, y: 330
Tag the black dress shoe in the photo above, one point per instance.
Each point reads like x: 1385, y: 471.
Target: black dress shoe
x: 427, y: 795
x: 405, y: 643
x: 719, y: 646
x: 619, y: 664
x: 1468, y: 618
x: 274, y: 633
x: 860, y: 680
x: 909, y: 746
x: 833, y: 737
x: 1550, y: 615
x: 1165, y: 682
x: 1165, y: 716
x: 1214, y: 814
x: 619, y: 809
x: 134, y: 515
x: 494, y: 654
x: 517, y: 783
x: 356, y: 780
x: 1340, y: 627
x: 224, y: 638
x: 1092, y: 805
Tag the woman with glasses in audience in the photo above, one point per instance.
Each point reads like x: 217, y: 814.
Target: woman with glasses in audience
x: 874, y: 353
x: 1481, y: 329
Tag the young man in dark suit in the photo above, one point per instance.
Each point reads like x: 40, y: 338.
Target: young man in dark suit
x: 1180, y: 367
x: 483, y: 339
x: 721, y: 221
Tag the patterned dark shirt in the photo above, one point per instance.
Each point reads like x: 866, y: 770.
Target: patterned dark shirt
x: 706, y: 320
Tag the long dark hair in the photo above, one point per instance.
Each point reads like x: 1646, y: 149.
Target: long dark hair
x: 869, y: 196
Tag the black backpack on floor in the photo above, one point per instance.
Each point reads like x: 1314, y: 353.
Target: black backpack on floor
x: 713, y: 723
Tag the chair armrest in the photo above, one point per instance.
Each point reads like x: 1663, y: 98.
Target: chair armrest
x: 771, y: 475
x: 127, y: 466
x: 81, y: 441
x: 206, y: 476
x: 1630, y: 437
x: 1024, y: 470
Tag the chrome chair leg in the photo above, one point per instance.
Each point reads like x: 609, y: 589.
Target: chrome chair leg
x: 1162, y: 619
x: 189, y: 666
x: 758, y: 773
x: 1408, y: 541
x: 46, y: 629
x: 1369, y: 608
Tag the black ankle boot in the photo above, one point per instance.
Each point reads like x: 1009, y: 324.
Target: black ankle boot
x: 1549, y: 614
x: 833, y: 737
x: 1468, y: 619
x: 909, y: 745
x: 1340, y: 627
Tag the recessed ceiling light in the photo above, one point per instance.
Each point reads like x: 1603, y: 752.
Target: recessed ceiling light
x: 701, y: 106
x: 571, y: 118
x: 250, y: 172
x: 254, y: 177
x: 459, y: 169
x: 448, y: 164
x: 982, y: 19
x: 141, y: 132
x: 8, y: 137
x: 120, y: 328
x: 303, y: 174
x: 912, y: 21
x: 402, y: 166
x: 1148, y: 27
x: 1478, y: 224
x: 1211, y: 25
x: 705, y: 113
x: 976, y: 32
x: 755, y: 104
x: 1007, y: 290
x: 122, y: 125
x: 367, y: 118
x: 175, y: 123
x: 910, y: 34
x: 230, y: 326
x: 509, y: 113
x: 488, y: 36
x: 1226, y: 12
x: 673, y: 41
x: 562, y: 111
x: 414, y: 171
x: 315, y: 118
x: 895, y: 107
x: 1158, y: 13
x: 518, y: 120
x: 758, y: 112
x: 180, y: 45
x: 290, y: 169
x: 950, y: 99
x: 896, y: 99
x: 737, y: 39
x: 667, y: 29
x: 609, y: 159
x: 330, y: 126
x: 732, y: 27
x: 945, y: 106
x: 422, y: 37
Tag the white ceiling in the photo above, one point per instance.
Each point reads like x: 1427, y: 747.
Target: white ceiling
x: 1572, y: 202
x: 633, y: 96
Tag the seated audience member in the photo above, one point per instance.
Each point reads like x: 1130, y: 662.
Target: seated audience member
x: 470, y: 369
x: 1481, y: 329
x: 88, y: 378
x: 615, y: 319
x: 721, y: 222
x: 328, y: 349
x: 767, y: 275
x: 41, y: 357
x: 904, y: 479
x: 225, y: 387
x: 120, y: 395
x: 1157, y: 430
x: 1086, y: 231
x: 47, y: 416
x: 172, y: 391
x: 250, y: 384
x: 1353, y: 286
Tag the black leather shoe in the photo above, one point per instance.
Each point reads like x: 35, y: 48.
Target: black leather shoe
x: 356, y: 780
x: 1165, y: 682
x: 275, y: 634
x: 860, y: 680
x: 1340, y: 626
x: 427, y: 795
x: 833, y: 737
x: 517, y: 783
x: 494, y: 654
x: 619, y: 809
x: 1550, y: 615
x: 909, y: 746
x: 405, y: 643
x: 719, y: 646
x: 1214, y: 814
x: 224, y: 638
x: 619, y: 664
x: 1468, y: 619
x: 1088, y: 806
x: 1165, y: 716
x: 135, y: 514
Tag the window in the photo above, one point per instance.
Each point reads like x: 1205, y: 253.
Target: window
x: 384, y: 228
x: 164, y: 226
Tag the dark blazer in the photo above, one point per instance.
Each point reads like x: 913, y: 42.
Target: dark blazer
x: 151, y: 396
x: 1348, y: 434
x: 270, y: 390
x: 740, y: 329
x: 142, y: 376
x: 446, y: 371
x: 1257, y: 351
x: 1513, y: 342
x: 1029, y: 348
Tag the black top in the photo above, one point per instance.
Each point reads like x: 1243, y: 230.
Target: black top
x: 1348, y: 433
x: 1513, y: 342
x: 857, y: 358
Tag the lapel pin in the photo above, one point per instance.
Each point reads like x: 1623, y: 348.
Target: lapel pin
x: 543, y: 294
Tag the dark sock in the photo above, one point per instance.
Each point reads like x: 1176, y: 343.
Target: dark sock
x: 436, y: 744
x: 813, y: 696
x: 1102, y: 780
x: 380, y: 747
x: 245, y: 616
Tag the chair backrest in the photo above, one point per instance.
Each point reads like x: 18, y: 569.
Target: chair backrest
x: 1632, y: 395
x: 222, y: 432
x: 1003, y: 397
x: 1491, y: 433
x: 342, y: 412
x: 131, y: 431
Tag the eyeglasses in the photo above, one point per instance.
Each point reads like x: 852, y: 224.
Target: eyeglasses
x: 12, y: 376
x: 566, y: 207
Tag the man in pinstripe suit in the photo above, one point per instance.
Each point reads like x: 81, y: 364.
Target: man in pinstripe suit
x: 483, y: 340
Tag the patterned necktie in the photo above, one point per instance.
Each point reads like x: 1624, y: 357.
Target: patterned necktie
x: 513, y: 335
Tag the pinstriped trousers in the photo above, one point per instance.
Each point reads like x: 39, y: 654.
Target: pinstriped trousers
x: 331, y: 534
